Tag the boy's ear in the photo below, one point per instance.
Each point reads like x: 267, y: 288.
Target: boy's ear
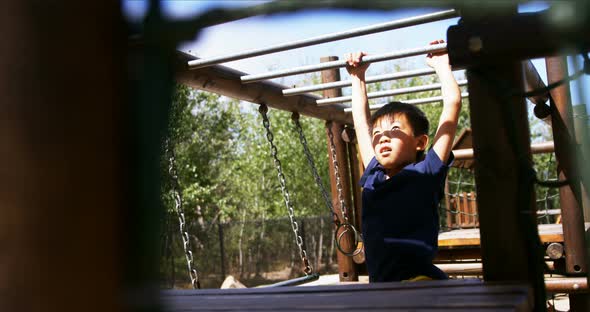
x: 422, y: 142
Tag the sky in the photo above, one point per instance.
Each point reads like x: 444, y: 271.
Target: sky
x: 258, y: 32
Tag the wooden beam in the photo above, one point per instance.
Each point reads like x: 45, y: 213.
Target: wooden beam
x: 464, y: 295
x: 226, y: 81
x: 548, y: 233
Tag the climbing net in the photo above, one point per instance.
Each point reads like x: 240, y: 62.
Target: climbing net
x: 459, y: 209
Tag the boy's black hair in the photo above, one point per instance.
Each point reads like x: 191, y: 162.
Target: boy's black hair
x: 413, y: 114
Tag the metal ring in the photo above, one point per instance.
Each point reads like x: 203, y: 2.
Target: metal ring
x: 357, y: 239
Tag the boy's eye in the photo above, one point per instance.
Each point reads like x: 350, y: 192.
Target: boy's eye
x: 395, y: 128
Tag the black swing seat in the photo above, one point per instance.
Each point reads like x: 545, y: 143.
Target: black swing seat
x: 296, y: 281
x: 451, y: 295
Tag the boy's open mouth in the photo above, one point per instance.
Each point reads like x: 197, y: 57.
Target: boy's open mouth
x: 385, y: 150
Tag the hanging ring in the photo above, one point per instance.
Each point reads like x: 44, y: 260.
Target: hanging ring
x: 357, y: 239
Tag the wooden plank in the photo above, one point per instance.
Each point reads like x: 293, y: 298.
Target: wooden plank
x: 549, y: 233
x: 434, y: 296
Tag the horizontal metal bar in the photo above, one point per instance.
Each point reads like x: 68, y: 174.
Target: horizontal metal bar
x: 380, y: 94
x: 570, y: 285
x: 361, y: 31
x: 414, y: 102
x: 348, y: 83
x: 536, y: 148
x: 434, y: 48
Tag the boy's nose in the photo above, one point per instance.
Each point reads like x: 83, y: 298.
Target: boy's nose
x: 384, y: 138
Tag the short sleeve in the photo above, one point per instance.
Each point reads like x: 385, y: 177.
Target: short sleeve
x: 433, y: 165
x: 369, y: 170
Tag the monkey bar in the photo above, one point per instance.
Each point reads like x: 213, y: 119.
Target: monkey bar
x: 433, y: 99
x: 348, y: 83
x: 406, y: 22
x: 380, y: 94
x: 435, y: 48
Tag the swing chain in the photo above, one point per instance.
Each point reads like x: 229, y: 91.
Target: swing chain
x: 337, y: 172
x: 346, y: 225
x: 307, y: 269
x: 314, y: 170
x: 177, y: 194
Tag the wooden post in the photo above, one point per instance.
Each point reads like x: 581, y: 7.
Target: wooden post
x: 356, y: 171
x: 502, y: 149
x: 581, y: 130
x: 62, y: 193
x: 563, y: 134
x: 511, y: 250
x: 570, y: 196
x: 346, y: 267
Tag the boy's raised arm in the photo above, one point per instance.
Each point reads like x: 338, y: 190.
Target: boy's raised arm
x: 360, y: 105
x: 447, y: 126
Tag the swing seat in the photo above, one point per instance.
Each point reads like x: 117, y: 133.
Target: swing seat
x: 296, y: 281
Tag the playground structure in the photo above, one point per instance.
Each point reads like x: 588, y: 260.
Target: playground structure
x: 455, y: 245
x: 105, y: 156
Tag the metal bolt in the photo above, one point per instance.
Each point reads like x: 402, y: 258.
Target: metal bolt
x: 554, y: 251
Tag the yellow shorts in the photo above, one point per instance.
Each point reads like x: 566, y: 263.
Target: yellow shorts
x: 418, y: 278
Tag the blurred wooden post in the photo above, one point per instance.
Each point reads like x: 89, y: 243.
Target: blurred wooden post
x: 581, y: 130
x: 501, y: 145
x: 346, y: 267
x: 62, y: 194
x: 570, y: 196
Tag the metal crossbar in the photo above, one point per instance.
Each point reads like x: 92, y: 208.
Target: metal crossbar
x: 434, y: 48
x: 406, y: 22
x: 348, y: 83
x: 380, y: 94
x: 413, y: 102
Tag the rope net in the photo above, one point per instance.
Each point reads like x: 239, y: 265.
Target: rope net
x: 459, y: 209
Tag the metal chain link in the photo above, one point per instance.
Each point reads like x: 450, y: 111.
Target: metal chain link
x: 307, y: 269
x: 314, y: 170
x: 177, y: 194
x: 345, y: 225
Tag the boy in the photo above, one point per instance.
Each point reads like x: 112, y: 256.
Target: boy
x: 401, y: 191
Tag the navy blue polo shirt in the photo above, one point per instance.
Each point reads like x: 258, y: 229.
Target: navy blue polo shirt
x: 400, y: 219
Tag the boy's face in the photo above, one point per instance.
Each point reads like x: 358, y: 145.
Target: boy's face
x: 394, y: 142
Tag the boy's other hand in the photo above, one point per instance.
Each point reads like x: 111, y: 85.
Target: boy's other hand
x: 354, y: 65
x: 437, y: 60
